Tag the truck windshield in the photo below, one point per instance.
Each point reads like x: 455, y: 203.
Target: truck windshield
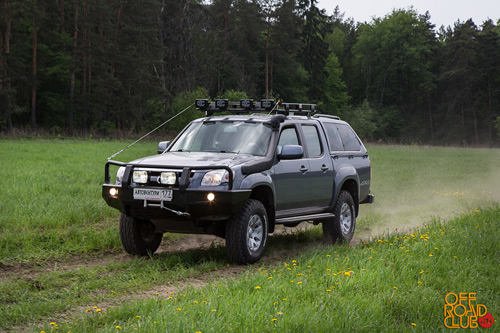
x: 225, y: 137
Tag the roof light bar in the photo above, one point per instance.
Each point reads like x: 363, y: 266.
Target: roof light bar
x: 202, y: 104
x: 221, y: 103
x: 249, y: 106
x: 267, y: 104
x: 246, y: 104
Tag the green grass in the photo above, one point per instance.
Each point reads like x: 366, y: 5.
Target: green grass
x: 395, y: 283
x: 60, y: 251
x: 50, y: 202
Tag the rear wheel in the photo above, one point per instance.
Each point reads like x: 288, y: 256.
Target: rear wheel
x: 246, y: 233
x: 341, y: 227
x: 138, y: 236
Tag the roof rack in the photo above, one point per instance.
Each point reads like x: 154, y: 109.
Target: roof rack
x: 320, y: 115
x: 249, y: 106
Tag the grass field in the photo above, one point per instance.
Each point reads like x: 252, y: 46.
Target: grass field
x: 395, y: 283
x: 60, y: 254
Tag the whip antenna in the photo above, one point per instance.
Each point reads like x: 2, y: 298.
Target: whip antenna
x: 145, y: 135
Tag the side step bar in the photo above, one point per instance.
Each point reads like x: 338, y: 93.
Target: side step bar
x: 303, y: 218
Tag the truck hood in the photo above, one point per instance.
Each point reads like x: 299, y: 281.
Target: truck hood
x: 197, y: 159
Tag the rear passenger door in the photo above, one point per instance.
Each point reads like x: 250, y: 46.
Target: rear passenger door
x: 320, y: 165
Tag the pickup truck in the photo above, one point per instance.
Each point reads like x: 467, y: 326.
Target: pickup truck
x: 240, y: 173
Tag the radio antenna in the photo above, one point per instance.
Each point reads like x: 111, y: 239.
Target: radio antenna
x: 145, y: 135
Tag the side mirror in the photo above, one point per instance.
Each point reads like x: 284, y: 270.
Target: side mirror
x: 162, y: 146
x: 291, y: 152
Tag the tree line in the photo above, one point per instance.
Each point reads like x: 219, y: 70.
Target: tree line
x: 108, y: 65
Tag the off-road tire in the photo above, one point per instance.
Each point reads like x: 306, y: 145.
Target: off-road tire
x: 340, y: 228
x: 246, y: 233
x: 138, y: 237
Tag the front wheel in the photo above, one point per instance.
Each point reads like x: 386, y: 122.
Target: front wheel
x: 138, y: 236
x: 341, y: 227
x: 246, y: 233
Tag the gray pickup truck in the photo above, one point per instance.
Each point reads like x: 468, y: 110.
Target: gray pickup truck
x: 238, y: 174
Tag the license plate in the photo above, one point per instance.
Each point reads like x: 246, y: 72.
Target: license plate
x: 153, y: 194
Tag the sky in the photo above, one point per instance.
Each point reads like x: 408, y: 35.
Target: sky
x: 443, y: 12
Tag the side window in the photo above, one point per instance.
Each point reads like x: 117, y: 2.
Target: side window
x: 333, y: 137
x: 288, y: 136
x: 311, y: 137
x: 349, y: 139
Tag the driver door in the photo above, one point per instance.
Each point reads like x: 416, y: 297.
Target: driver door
x: 291, y: 178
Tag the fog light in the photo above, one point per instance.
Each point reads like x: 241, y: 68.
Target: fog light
x: 211, y: 197
x: 113, y: 192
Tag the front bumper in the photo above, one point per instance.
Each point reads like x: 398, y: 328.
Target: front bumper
x: 191, y: 202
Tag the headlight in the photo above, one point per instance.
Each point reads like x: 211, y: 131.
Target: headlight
x: 119, y: 174
x: 140, y: 177
x: 168, y: 178
x: 214, y: 178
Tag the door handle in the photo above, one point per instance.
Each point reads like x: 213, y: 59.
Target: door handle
x: 324, y: 167
x: 303, y: 169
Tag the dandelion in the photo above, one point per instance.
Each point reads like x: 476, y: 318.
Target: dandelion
x: 299, y: 282
x: 179, y: 309
x: 328, y: 255
x: 395, y: 288
x: 118, y: 327
x: 431, y: 255
x: 280, y: 313
x: 328, y: 290
x: 213, y: 310
x: 258, y: 287
x: 274, y: 319
x: 419, y: 282
x: 98, y: 310
x: 413, y: 324
x: 138, y: 317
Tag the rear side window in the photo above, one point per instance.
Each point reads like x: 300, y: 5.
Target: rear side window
x: 349, y: 138
x: 333, y: 137
x: 311, y: 137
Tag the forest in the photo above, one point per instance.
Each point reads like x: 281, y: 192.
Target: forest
x: 114, y: 66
